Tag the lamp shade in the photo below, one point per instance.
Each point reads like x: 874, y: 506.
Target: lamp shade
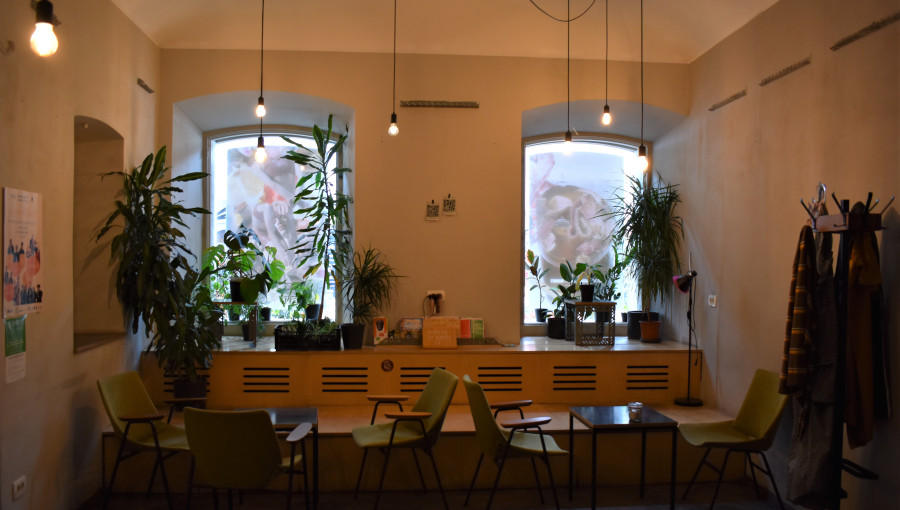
x: 685, y: 281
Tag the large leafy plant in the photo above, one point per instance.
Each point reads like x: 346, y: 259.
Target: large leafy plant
x: 326, y: 209
x: 607, y: 280
x: 242, y: 256
x: 149, y: 248
x: 647, y: 226
x: 537, y: 274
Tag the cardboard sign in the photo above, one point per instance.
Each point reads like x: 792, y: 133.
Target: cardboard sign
x: 440, y: 332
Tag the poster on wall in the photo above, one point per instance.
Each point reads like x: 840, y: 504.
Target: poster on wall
x: 15, y: 349
x: 22, y: 245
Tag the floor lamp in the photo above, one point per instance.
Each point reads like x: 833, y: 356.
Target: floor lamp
x: 685, y: 283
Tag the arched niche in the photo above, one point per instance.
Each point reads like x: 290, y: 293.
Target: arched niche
x: 99, y: 149
x: 584, y: 117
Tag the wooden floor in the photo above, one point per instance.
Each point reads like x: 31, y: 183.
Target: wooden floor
x: 732, y: 496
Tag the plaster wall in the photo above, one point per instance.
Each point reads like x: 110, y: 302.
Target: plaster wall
x: 743, y: 169
x: 50, y: 422
x: 474, y: 154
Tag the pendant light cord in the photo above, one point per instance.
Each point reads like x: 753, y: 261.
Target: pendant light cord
x: 607, y: 53
x: 642, y: 72
x: 262, y: 31
x: 568, y: 18
x: 394, y: 89
x: 568, y: 57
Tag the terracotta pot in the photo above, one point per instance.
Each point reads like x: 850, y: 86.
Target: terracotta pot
x: 650, y: 331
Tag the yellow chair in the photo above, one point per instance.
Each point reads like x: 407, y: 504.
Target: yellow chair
x: 419, y: 428
x: 752, y: 431
x: 499, y: 444
x: 139, y: 426
x: 238, y: 450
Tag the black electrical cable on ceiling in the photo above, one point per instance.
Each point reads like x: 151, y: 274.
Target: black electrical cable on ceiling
x: 554, y: 18
x: 394, y: 96
x: 262, y: 32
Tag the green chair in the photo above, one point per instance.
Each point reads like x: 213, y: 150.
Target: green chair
x: 752, y: 431
x: 139, y: 426
x: 500, y: 444
x: 419, y: 428
x: 238, y: 451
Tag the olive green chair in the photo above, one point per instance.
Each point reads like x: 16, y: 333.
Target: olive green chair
x: 751, y: 431
x: 239, y: 451
x: 499, y: 444
x: 139, y: 426
x: 419, y: 428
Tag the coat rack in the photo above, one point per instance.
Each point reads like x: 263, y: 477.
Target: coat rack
x: 843, y: 223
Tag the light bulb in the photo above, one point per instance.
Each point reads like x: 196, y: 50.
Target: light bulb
x: 261, y: 108
x: 567, y: 146
x: 393, y: 130
x: 43, y: 40
x: 606, y: 119
x: 260, y: 154
x: 643, y: 163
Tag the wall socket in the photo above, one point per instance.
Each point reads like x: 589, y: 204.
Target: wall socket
x: 18, y: 487
x: 712, y: 301
x: 433, y: 292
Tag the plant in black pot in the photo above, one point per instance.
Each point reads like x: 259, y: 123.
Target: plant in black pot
x: 562, y: 293
x: 367, y: 283
x: 537, y: 274
x: 154, y: 280
x: 646, y: 224
x: 296, y: 299
x: 254, y: 269
x: 605, y: 288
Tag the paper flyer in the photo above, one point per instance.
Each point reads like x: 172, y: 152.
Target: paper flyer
x: 15, y: 349
x: 22, y: 245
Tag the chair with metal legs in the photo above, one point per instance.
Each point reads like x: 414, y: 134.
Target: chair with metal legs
x: 139, y: 426
x: 419, y: 428
x: 752, y: 431
x: 500, y: 444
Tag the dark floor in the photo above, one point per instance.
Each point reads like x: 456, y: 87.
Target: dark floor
x: 732, y: 496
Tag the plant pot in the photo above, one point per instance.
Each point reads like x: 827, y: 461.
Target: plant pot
x: 236, y: 296
x: 265, y: 313
x: 634, y: 322
x: 556, y: 327
x: 312, y: 312
x: 245, y: 331
x: 186, y: 388
x: 650, y: 331
x: 587, y: 293
x: 353, y: 335
x: 234, y: 315
x: 624, y: 316
x: 540, y: 314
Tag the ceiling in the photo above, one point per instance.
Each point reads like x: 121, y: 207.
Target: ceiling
x: 675, y: 31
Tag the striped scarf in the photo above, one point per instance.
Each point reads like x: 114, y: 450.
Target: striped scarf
x: 798, y: 360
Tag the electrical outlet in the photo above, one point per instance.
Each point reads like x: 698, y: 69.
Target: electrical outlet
x: 18, y: 487
x: 437, y: 292
x: 712, y: 301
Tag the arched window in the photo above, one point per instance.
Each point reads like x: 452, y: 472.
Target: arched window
x: 567, y: 189
x: 261, y: 196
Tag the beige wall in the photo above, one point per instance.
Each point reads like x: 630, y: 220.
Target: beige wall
x: 475, y: 154
x: 744, y: 168
x: 50, y: 422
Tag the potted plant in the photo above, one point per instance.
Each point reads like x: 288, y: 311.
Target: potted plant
x: 296, y: 299
x: 254, y: 269
x: 154, y: 280
x: 308, y: 335
x: 326, y: 209
x: 570, y: 275
x: 605, y: 288
x: 367, y: 285
x: 647, y: 226
x: 533, y: 264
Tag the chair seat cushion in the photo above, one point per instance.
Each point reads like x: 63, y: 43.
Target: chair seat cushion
x: 408, y: 435
x: 171, y: 438
x: 719, y: 434
x: 529, y: 444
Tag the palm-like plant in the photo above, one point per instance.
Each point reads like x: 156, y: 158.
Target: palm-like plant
x: 328, y: 230
x: 646, y: 224
x: 367, y: 284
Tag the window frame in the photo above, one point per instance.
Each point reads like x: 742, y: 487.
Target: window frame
x: 615, y: 140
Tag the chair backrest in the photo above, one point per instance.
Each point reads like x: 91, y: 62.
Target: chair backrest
x: 490, y: 436
x: 435, y: 399
x: 762, y: 407
x: 125, y: 395
x: 233, y: 449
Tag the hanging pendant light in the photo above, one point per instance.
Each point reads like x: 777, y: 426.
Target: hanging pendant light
x: 260, y: 155
x: 261, y: 104
x: 643, y: 163
x: 606, y: 118
x: 43, y: 40
x: 393, y: 130
x: 568, y: 137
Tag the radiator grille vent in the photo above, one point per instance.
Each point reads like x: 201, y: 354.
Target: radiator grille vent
x: 413, y: 379
x: 574, y: 377
x: 647, y: 377
x: 500, y: 378
x: 168, y: 380
x: 266, y: 379
x: 345, y: 379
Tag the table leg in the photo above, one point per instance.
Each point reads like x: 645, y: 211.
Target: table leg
x: 593, y: 469
x: 643, y: 458
x: 315, y: 504
x: 571, y: 453
x: 672, y: 475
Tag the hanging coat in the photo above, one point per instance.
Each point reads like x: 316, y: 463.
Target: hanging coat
x: 797, y: 361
